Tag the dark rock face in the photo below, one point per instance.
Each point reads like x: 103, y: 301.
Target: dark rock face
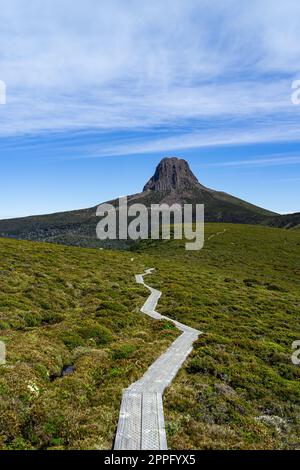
x: 172, y: 174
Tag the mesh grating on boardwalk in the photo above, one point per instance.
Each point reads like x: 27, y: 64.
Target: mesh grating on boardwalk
x: 141, y: 421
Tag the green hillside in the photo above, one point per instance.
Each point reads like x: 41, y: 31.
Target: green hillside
x: 64, y: 306
x: 78, y: 228
x: 289, y: 221
x: 72, y: 306
x: 239, y: 388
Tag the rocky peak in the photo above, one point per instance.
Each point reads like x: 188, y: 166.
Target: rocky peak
x: 172, y: 174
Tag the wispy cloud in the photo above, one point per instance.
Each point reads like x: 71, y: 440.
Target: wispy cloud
x: 209, y: 137
x: 113, y: 65
x: 277, y: 160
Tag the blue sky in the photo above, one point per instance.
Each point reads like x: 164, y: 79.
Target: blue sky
x: 99, y: 91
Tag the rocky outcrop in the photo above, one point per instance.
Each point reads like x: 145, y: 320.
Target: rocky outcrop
x: 172, y: 174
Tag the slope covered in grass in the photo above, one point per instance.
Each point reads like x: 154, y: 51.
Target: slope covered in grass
x: 62, y: 306
x: 239, y: 388
x: 69, y: 306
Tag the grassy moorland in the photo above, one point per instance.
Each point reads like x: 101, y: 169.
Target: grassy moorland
x: 72, y: 306
x: 64, y: 306
x: 239, y: 388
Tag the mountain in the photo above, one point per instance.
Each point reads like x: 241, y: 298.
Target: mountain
x: 172, y: 174
x: 288, y: 221
x: 172, y: 182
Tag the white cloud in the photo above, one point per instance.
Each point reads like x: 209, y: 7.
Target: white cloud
x: 126, y: 65
x: 193, y: 140
x: 276, y: 160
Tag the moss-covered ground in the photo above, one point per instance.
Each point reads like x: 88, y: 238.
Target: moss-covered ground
x: 70, y: 306
x: 239, y: 388
x: 73, y: 306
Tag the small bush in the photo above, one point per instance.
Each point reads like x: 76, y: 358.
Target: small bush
x: 123, y: 351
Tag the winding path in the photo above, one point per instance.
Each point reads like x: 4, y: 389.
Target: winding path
x: 216, y: 234
x: 141, y: 421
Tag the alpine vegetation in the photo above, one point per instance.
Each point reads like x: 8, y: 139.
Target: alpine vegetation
x: 115, y: 222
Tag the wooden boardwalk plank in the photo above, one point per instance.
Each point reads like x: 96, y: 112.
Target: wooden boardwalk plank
x: 129, y: 428
x: 141, y: 421
x: 150, y: 429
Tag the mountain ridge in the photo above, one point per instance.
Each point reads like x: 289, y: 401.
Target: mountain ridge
x: 172, y: 182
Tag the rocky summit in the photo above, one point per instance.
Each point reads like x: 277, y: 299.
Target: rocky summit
x: 172, y: 174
